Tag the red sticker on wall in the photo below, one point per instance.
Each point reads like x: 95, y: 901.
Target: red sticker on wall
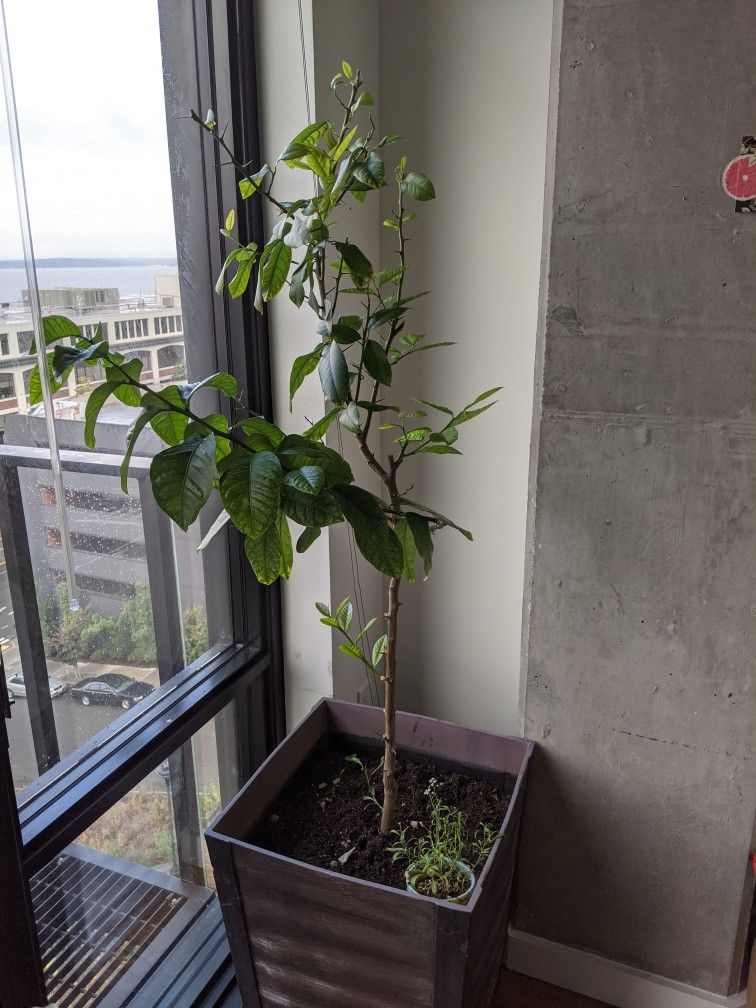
x: 739, y: 177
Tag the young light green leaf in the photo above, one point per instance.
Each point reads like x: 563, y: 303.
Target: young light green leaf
x: 230, y: 220
x: 249, y: 186
x: 182, y: 478
x: 353, y: 650
x: 322, y: 607
x: 344, y: 617
x: 366, y: 628
x: 346, y: 69
x: 379, y: 649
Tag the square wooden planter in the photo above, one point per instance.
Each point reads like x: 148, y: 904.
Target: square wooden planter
x: 305, y: 937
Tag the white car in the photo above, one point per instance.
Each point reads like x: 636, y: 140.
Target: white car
x: 17, y: 686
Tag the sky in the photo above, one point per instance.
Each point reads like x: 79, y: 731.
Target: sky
x: 89, y: 93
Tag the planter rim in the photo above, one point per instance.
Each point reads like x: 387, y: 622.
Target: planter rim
x: 214, y: 830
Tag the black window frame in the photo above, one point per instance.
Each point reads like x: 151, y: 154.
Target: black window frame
x: 209, y: 62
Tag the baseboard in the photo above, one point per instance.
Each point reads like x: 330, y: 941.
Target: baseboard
x: 610, y: 982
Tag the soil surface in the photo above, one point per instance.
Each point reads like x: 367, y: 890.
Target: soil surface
x: 322, y: 813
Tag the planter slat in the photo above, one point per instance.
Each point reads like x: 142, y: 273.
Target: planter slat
x: 305, y: 937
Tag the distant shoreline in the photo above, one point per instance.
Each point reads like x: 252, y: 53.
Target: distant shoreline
x: 78, y: 263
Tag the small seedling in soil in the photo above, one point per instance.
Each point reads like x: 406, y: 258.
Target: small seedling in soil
x: 434, y: 857
x: 372, y: 784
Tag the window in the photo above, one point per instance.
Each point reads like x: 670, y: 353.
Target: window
x: 4, y: 349
x: 90, y: 329
x: 25, y: 338
x: 7, y: 386
x: 192, y: 655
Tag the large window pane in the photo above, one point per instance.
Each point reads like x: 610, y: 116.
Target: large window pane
x: 99, y: 189
x: 137, y: 880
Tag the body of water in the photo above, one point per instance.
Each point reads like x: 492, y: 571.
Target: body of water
x: 130, y: 280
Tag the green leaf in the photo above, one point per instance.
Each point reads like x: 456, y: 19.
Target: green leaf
x: 240, y: 281
x: 420, y: 530
x: 353, y: 650
x: 169, y: 425
x: 334, y: 374
x: 57, y: 327
x: 364, y: 98
x: 230, y: 220
x: 390, y: 275
x: 357, y: 263
x: 132, y: 437
x: 306, y: 540
x: 418, y: 186
x: 375, y: 538
x: 95, y: 402
x: 379, y: 649
x: 249, y: 186
x: 287, y: 553
x: 344, y: 334
x: 250, y: 487
x: 296, y: 284
x: 295, y: 451
x: 416, y: 434
x: 222, y: 381
x: 310, y: 511
x: 344, y: 617
x: 405, y: 537
x: 391, y: 223
x: 437, y: 516
x: 308, y: 479
x: 65, y: 357
x: 312, y: 133
x: 353, y: 321
x: 220, y: 426
x: 35, y: 385
x: 320, y: 428
x: 376, y: 362
x: 435, y: 406
x: 371, y: 172
x: 384, y: 315
x: 365, y: 629
x: 346, y: 69
x: 182, y: 478
x: 338, y: 151
x: 350, y: 418
x: 438, y: 449
x: 390, y: 138
x: 260, y: 434
x: 274, y: 268
x: 302, y: 367
x: 270, y: 556
x: 128, y: 394
x: 322, y: 607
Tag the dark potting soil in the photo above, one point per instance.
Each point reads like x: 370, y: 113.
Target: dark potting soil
x: 322, y: 814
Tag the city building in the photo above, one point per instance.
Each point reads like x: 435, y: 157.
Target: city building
x: 150, y: 328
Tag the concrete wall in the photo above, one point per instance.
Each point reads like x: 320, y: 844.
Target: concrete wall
x: 467, y: 86
x: 639, y: 659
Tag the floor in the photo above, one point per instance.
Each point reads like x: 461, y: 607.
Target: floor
x: 518, y: 991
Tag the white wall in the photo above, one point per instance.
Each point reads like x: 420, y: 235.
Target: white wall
x: 467, y: 85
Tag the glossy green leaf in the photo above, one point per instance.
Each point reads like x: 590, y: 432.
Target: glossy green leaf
x: 371, y: 172
x: 356, y: 262
x: 375, y: 538
x: 308, y: 510
x: 320, y: 428
x: 270, y: 556
x: 350, y: 418
x: 308, y: 479
x: 306, y: 539
x: 57, y: 327
x: 249, y: 186
x: 418, y: 186
x: 302, y: 367
x: 334, y: 374
x: 295, y: 451
x: 274, y: 268
x: 182, y: 478
x: 376, y: 362
x: 409, y: 550
x: 260, y: 434
x: 344, y: 334
x: 127, y: 393
x: 250, y: 488
x: 420, y: 530
x: 65, y: 357
x: 132, y: 436
x: 95, y: 402
x: 379, y: 649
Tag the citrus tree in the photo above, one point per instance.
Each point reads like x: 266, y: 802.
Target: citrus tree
x: 268, y: 479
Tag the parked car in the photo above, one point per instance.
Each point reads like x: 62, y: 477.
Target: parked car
x: 111, y: 688
x: 17, y: 686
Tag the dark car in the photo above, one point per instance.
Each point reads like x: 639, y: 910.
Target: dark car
x: 111, y: 688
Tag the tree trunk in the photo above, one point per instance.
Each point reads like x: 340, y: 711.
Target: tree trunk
x: 389, y: 713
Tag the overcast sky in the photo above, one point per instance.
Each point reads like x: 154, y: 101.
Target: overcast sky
x: 89, y: 93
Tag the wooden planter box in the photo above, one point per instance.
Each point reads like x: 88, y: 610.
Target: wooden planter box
x: 305, y: 937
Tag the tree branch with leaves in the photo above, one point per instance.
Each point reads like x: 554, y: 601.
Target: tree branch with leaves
x: 267, y: 478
